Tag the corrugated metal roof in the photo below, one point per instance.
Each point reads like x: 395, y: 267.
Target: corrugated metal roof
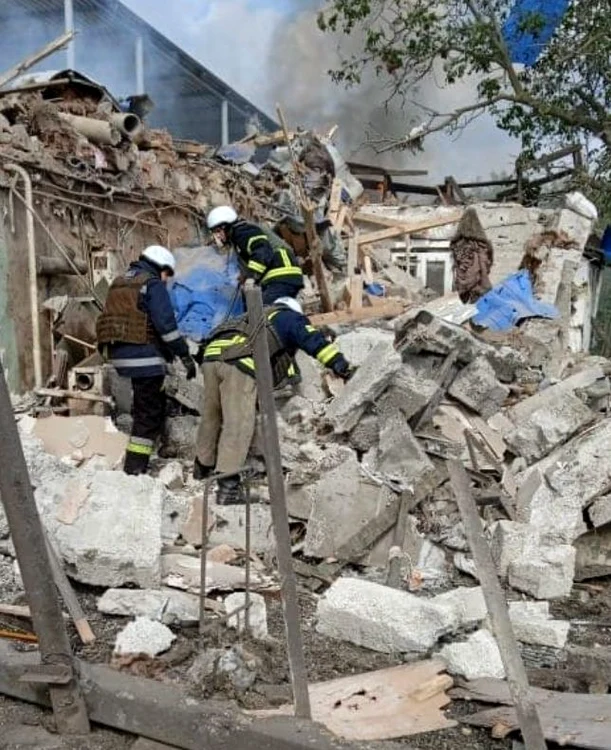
x: 179, y: 77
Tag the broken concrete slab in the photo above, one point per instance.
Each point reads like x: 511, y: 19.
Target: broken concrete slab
x: 257, y: 614
x: 172, y: 475
x: 599, y: 512
x: 357, y: 345
x: 112, y: 537
x: 369, y: 382
x: 408, y: 393
x: 425, y: 333
x: 593, y: 558
x: 169, y: 606
x: 184, y: 572
x: 466, y: 606
x: 82, y: 438
x: 310, y: 386
x: 144, y: 636
x: 509, y: 541
x: 366, y: 434
x: 229, y: 527
x: 544, y: 572
x: 532, y: 623
x: 574, y: 475
x: 177, y: 506
x: 342, y: 503
x: 548, y: 427
x: 478, y: 656
x: 380, y: 618
x: 476, y: 386
x: 178, y: 440
x: 400, y: 456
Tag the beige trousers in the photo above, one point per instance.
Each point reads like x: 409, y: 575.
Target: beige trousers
x: 228, y: 416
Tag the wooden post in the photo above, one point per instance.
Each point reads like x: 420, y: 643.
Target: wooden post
x: 29, y: 539
x: 497, y: 609
x: 308, y: 214
x: 41, y: 54
x: 355, y: 281
x: 275, y: 479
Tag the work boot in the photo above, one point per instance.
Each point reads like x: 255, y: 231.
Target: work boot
x: 200, y: 471
x: 230, y: 491
x: 135, y: 463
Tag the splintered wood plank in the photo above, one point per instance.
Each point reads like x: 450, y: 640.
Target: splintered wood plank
x: 355, y: 282
x: 335, y: 201
x: 383, y: 705
x: 409, y: 227
x: 389, y: 309
x: 382, y: 234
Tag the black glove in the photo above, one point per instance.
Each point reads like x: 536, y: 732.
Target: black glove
x: 199, y: 354
x: 190, y: 367
x: 344, y: 369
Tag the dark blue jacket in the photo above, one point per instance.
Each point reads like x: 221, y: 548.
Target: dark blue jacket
x: 149, y: 360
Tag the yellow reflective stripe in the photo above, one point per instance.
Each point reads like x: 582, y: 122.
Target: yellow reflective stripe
x: 216, y: 347
x: 272, y: 315
x: 256, y: 267
x: 311, y: 329
x: 143, y: 450
x: 281, y: 272
x: 254, y: 239
x: 326, y: 354
x: 286, y: 261
x: 291, y: 370
x: 247, y: 362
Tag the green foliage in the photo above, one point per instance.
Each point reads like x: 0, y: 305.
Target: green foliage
x: 565, y: 98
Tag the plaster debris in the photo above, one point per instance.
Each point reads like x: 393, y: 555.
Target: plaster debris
x: 532, y: 623
x: 257, y: 618
x: 144, y: 636
x: 477, y: 657
x: 168, y: 606
x: 172, y: 476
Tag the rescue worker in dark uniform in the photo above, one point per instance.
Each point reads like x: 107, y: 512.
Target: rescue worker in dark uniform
x: 230, y: 395
x: 138, y: 335
x: 275, y: 269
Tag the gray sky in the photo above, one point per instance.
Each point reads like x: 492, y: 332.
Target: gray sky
x: 267, y: 51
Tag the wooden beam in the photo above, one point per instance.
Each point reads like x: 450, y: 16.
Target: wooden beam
x: 32, y: 60
x: 383, y: 234
x: 355, y: 281
x: 410, y: 227
x: 496, y: 604
x: 389, y: 309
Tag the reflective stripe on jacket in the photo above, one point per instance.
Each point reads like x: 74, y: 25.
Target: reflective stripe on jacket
x: 261, y: 260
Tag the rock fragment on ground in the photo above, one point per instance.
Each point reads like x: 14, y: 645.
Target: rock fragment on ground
x: 168, y: 606
x: 144, y: 636
x: 532, y: 623
x: 476, y: 386
x: 172, y: 475
x: 257, y: 614
x: 477, y: 657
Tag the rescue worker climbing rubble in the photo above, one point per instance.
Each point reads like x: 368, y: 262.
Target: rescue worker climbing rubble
x: 276, y: 269
x: 137, y: 334
x: 230, y: 396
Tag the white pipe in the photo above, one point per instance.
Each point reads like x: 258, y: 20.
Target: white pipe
x: 32, y: 271
x: 224, y: 122
x: 69, y: 26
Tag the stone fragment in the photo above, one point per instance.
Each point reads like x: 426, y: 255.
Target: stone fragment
x: 184, y: 572
x: 168, y: 606
x: 369, y: 382
x: 366, y: 434
x: 10, y: 582
x: 477, y: 657
x: 401, y: 457
x: 477, y: 387
x: 532, y: 623
x: 465, y: 564
x: 508, y: 542
x: 380, y: 618
x: 357, y: 345
x: 310, y: 386
x: 88, y: 435
x: 23, y: 736
x: 5, y: 531
x: 408, y: 393
x: 426, y: 333
x: 342, y: 502
x: 144, y: 636
x: 599, y: 512
x: 506, y: 362
x: 431, y: 568
x: 172, y: 475
x: 179, y: 437
x: 215, y: 664
x: 115, y: 539
x: 257, y: 614
x: 223, y: 553
x: 230, y: 527
x: 176, y: 509
x: 549, y: 426
x: 466, y: 606
x: 593, y: 554
x: 544, y: 572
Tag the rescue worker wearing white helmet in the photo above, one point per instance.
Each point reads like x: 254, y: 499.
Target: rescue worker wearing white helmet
x: 275, y: 269
x: 138, y: 335
x: 230, y: 393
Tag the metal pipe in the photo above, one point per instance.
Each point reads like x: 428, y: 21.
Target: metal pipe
x: 97, y: 131
x: 29, y: 539
x: 224, y: 122
x: 139, y: 54
x: 32, y: 271
x: 48, y: 266
x: 127, y: 123
x: 275, y: 479
x: 69, y: 27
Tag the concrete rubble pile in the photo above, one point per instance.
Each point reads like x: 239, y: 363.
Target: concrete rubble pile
x: 368, y: 490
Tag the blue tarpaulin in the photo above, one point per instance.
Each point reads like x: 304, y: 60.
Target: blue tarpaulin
x: 524, y: 46
x: 605, y: 245
x: 510, y: 302
x: 204, y: 290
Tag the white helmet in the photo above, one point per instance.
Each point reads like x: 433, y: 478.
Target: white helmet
x: 161, y: 257
x: 291, y: 303
x: 221, y: 215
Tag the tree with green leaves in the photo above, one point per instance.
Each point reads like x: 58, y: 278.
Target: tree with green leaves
x: 563, y: 99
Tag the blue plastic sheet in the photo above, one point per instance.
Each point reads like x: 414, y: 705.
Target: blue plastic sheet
x: 204, y: 290
x: 605, y: 245
x: 512, y: 301
x: 526, y: 47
